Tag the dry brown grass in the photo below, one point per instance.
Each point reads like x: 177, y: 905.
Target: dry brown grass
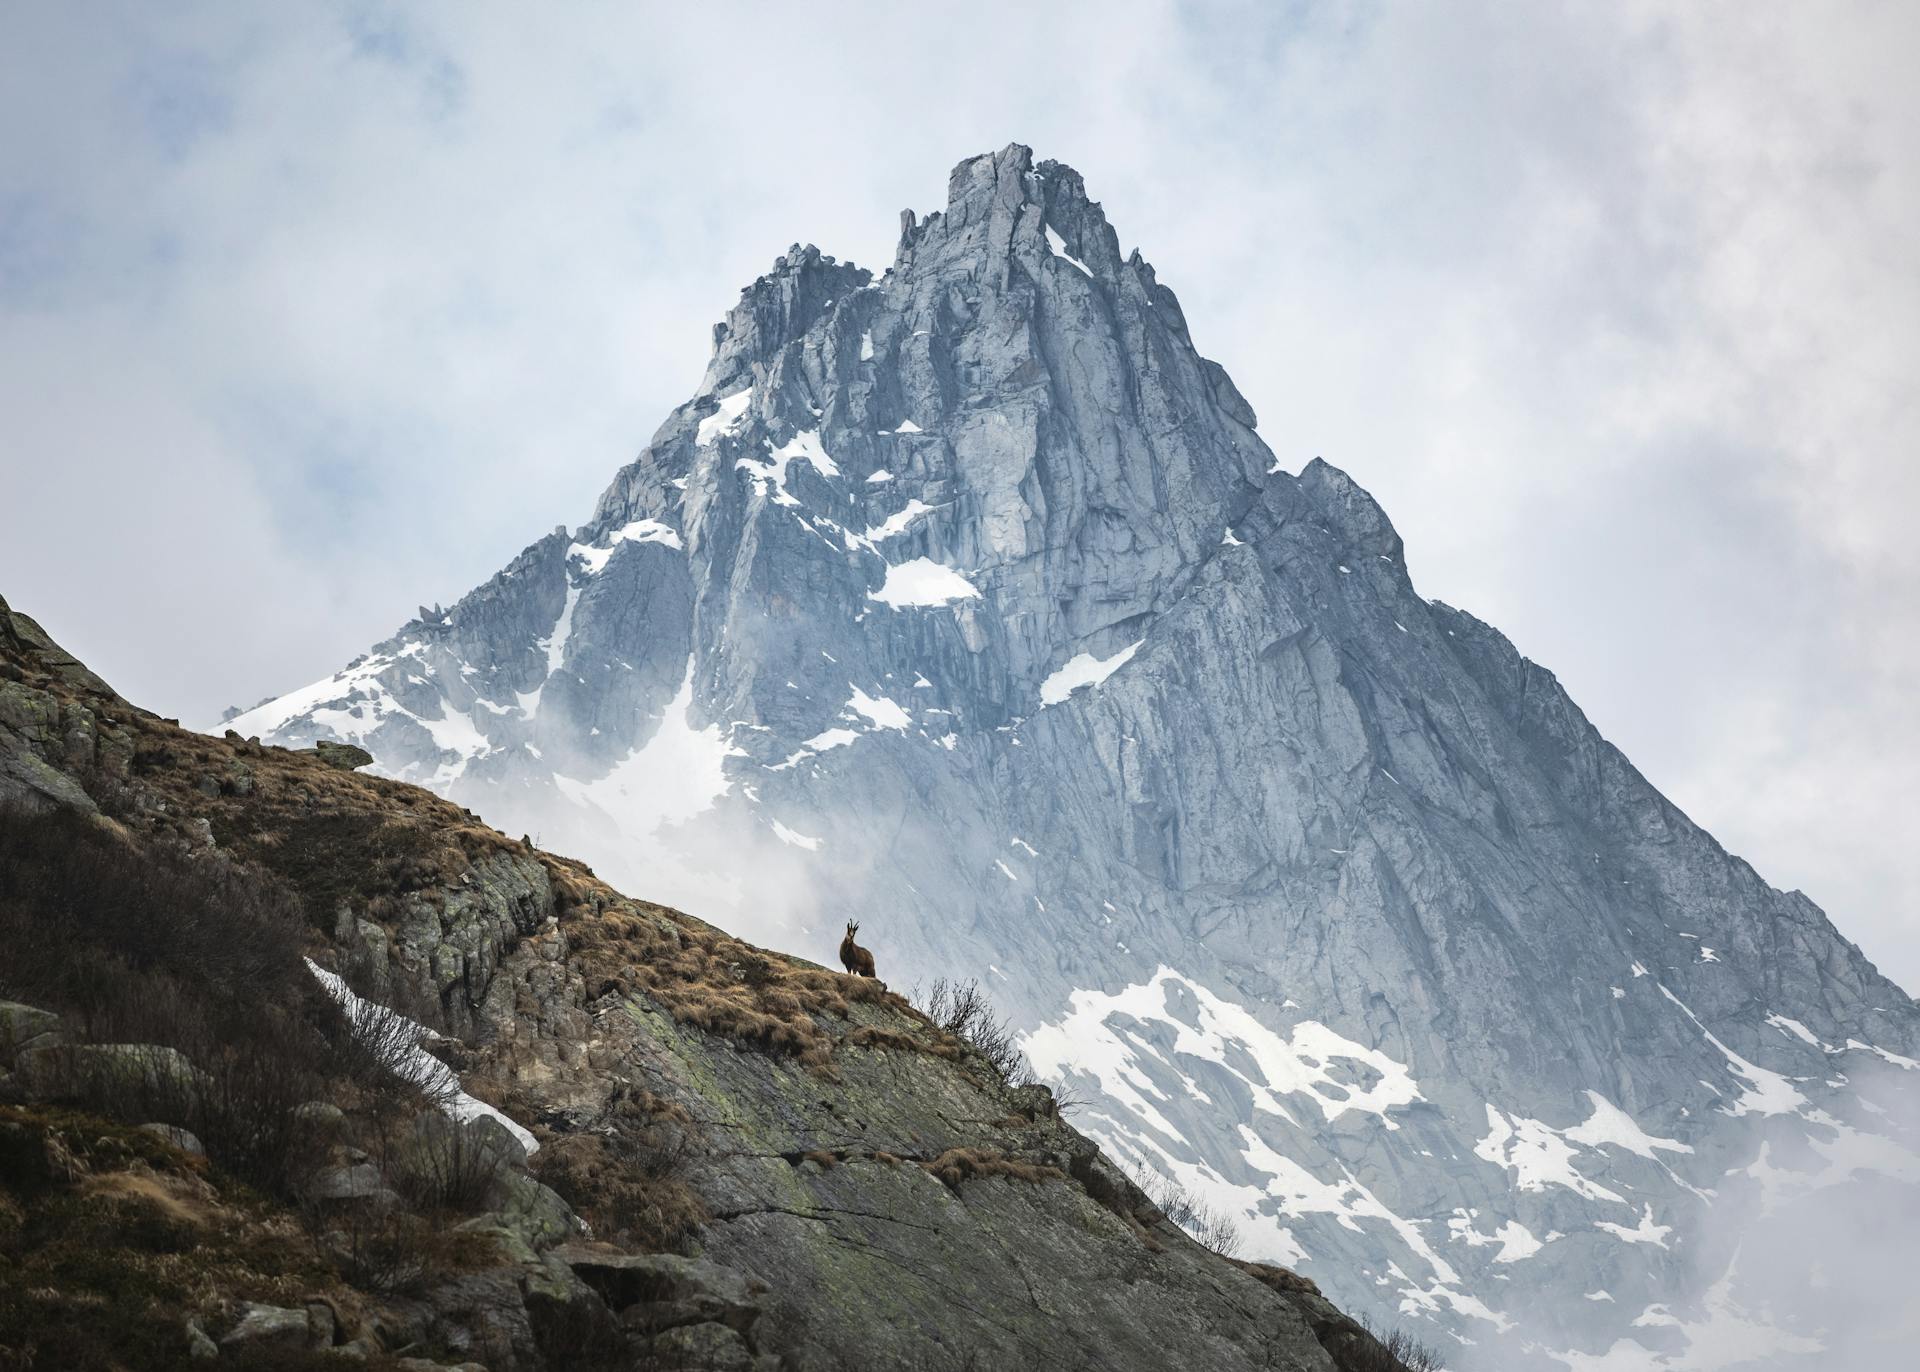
x: 1282, y: 1279
x: 338, y: 837
x: 625, y: 1175
x: 703, y: 978
x: 822, y: 1159
x: 644, y: 1206
x: 928, y: 1044
x: 958, y: 1165
x: 180, y: 1197
x: 332, y: 836
x: 119, y: 1239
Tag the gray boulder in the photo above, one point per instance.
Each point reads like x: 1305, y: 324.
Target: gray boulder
x: 174, y: 1136
x: 24, y: 1027
x: 262, y: 1327
x: 344, y: 756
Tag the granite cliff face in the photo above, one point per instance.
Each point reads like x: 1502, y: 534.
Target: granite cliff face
x: 965, y: 600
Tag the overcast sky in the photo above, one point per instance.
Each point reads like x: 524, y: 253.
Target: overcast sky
x: 310, y: 313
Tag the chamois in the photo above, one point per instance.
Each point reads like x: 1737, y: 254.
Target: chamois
x: 857, y: 960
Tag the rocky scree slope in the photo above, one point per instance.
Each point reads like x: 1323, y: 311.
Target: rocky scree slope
x: 653, y: 1146
x: 964, y: 598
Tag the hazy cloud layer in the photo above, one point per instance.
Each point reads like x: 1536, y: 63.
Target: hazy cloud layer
x: 309, y: 313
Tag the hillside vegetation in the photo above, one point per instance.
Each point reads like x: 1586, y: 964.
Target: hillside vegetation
x: 548, y: 1126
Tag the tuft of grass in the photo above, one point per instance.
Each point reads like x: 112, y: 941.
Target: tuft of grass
x: 959, y: 1165
x: 1281, y: 1279
x: 939, y: 1046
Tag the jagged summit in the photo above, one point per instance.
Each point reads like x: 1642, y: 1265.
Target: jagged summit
x: 775, y: 310
x: 997, y: 203
x: 966, y: 601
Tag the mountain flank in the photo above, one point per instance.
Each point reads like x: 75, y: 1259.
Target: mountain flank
x: 505, y: 1116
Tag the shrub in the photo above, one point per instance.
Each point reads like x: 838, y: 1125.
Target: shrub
x: 378, y: 1052
x: 75, y: 896
x: 1068, y: 1098
x: 1210, y: 1228
x: 182, y: 973
x: 383, y: 1251
x: 441, y: 1164
x: 353, y: 854
x: 391, y: 1251
x: 1396, y: 1351
x: 963, y: 1010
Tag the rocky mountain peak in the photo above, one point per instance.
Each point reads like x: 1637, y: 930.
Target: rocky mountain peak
x: 967, y: 602
x: 775, y: 310
x: 1350, y: 511
x: 1003, y: 205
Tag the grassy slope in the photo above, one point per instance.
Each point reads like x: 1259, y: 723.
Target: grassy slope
x: 689, y: 1090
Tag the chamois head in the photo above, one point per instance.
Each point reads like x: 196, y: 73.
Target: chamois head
x: 853, y: 927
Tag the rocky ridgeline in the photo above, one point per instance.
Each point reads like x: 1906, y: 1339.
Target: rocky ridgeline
x: 964, y: 599
x: 518, y: 1120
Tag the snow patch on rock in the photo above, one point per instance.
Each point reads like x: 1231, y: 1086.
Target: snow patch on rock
x: 1083, y: 670
x: 922, y: 582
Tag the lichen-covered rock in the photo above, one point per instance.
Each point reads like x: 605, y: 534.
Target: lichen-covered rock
x: 530, y: 1211
x: 447, y: 942
x: 49, y: 726
x: 669, y: 1289
x: 479, y: 1314
x: 322, y: 1116
x: 200, y: 1347
x: 345, y: 756
x: 360, y: 1182
x: 23, y: 1027
x: 700, y: 1348
x: 267, y: 1326
x: 175, y: 1137
x: 163, y: 1072
x: 29, y: 731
